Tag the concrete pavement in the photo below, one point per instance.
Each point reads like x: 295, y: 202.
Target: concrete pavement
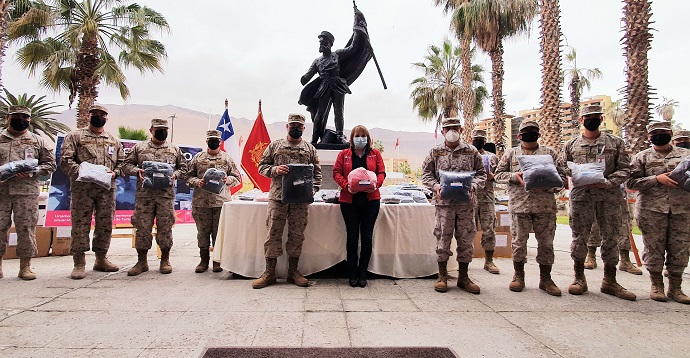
x: 177, y: 315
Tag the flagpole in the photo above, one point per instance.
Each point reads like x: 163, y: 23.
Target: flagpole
x: 208, y: 127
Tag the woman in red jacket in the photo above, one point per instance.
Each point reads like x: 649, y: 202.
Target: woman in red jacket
x: 359, y: 209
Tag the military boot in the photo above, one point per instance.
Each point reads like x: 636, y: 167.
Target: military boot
x: 269, y: 276
x: 1, y: 275
x: 25, y: 272
x: 675, y: 279
x: 293, y: 275
x: 657, y: 291
x: 205, y: 258
x: 441, y: 284
x: 216, y: 267
x: 79, y: 270
x: 489, y: 263
x: 142, y: 264
x: 579, y: 286
x: 165, y: 267
x: 591, y: 260
x: 464, y: 280
x: 518, y: 282
x: 103, y: 264
x: 545, y: 281
x: 626, y: 265
x: 609, y: 285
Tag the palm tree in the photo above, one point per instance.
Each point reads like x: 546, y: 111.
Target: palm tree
x: 378, y: 145
x: 667, y: 108
x: 489, y: 22
x: 79, y: 57
x: 636, y: 43
x: 580, y: 79
x: 4, y: 21
x: 131, y: 133
x: 550, y: 35
x: 41, y: 111
x: 615, y: 110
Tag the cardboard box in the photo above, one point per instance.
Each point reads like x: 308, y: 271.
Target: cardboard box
x: 503, y: 245
x: 502, y: 221
x: 62, y: 241
x: 44, y: 235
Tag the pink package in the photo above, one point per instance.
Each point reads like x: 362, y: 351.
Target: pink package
x: 361, y: 179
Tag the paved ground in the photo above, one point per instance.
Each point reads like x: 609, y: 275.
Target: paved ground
x: 176, y: 315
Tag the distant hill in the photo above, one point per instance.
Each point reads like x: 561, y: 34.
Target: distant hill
x: 190, y: 128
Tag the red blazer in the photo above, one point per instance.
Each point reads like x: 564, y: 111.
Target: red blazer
x: 343, y: 167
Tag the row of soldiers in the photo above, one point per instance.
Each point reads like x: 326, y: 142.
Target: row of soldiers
x: 19, y: 195
x: 663, y: 209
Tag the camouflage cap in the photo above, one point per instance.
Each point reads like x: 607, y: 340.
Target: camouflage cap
x: 591, y: 109
x: 479, y: 133
x: 19, y: 110
x: 451, y: 122
x: 295, y: 118
x: 327, y: 35
x: 528, y: 124
x: 213, y: 133
x: 659, y: 126
x: 98, y: 107
x: 681, y: 134
x: 159, y: 123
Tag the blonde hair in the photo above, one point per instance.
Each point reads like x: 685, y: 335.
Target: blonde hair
x: 360, y: 129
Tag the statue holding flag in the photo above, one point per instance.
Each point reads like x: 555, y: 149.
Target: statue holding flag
x: 337, y: 70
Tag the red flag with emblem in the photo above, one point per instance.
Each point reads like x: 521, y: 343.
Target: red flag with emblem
x: 397, y: 142
x: 254, y: 148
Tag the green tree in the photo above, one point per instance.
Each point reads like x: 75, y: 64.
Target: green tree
x: 131, y: 133
x: 378, y: 145
x: 580, y: 79
x: 404, y: 167
x: 80, y: 56
x: 615, y: 110
x: 41, y: 113
x: 667, y: 108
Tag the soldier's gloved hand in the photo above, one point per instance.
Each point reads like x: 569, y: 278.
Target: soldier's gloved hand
x: 664, y: 180
x: 201, y: 183
x: 282, y: 169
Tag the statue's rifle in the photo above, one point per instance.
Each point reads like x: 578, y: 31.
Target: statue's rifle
x: 373, y: 55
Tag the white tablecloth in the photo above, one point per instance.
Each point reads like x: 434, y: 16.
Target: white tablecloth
x: 404, y: 245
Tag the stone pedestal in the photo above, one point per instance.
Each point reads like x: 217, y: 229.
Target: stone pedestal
x: 327, y: 160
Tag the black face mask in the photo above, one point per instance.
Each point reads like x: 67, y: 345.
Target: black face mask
x: 529, y: 137
x: 160, y: 134
x: 213, y: 144
x: 660, y: 139
x: 97, y: 121
x: 685, y: 145
x: 478, y: 143
x: 592, y: 124
x: 19, y: 124
x: 295, y: 132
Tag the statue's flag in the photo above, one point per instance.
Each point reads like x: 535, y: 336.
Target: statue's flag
x: 228, y: 143
x: 257, y: 142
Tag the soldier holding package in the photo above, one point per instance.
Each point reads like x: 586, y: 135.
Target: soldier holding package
x: 486, y: 207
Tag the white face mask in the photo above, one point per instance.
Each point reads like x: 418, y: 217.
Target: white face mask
x: 452, y: 136
x: 360, y: 142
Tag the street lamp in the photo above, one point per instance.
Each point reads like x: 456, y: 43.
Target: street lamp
x: 172, y: 126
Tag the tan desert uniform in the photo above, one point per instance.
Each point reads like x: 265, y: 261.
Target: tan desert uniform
x: 486, y: 200
x: 19, y: 196
x: 663, y: 213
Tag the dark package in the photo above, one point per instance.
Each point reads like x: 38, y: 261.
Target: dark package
x: 157, y: 175
x: 94, y: 173
x: 213, y: 180
x: 298, y: 184
x: 11, y: 169
x: 587, y: 173
x: 681, y: 174
x: 456, y: 186
x: 539, y: 172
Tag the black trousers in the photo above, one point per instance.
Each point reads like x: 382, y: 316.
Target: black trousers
x: 360, y: 218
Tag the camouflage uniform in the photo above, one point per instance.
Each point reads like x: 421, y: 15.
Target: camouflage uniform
x: 594, y: 239
x: 486, y: 207
x: 19, y: 196
x: 534, y: 209
x: 153, y: 204
x: 89, y: 199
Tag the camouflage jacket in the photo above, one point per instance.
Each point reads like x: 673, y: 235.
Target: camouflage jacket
x: 281, y: 152
x: 196, y: 170
x: 463, y: 158
x: 612, y: 151
x: 147, y: 151
x: 83, y: 145
x: 653, y: 196
x: 523, y: 201
x: 26, y: 146
x: 486, y: 194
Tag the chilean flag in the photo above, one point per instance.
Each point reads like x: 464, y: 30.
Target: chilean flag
x: 228, y: 143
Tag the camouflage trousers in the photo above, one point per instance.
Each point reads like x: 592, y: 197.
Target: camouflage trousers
x: 544, y: 225
x: 206, y: 225
x: 148, y: 208
x: 607, y: 215
x: 24, y: 209
x: 458, y: 221
x: 90, y: 199
x: 666, y: 240
x: 296, y: 217
x: 594, y: 239
x: 486, y: 216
